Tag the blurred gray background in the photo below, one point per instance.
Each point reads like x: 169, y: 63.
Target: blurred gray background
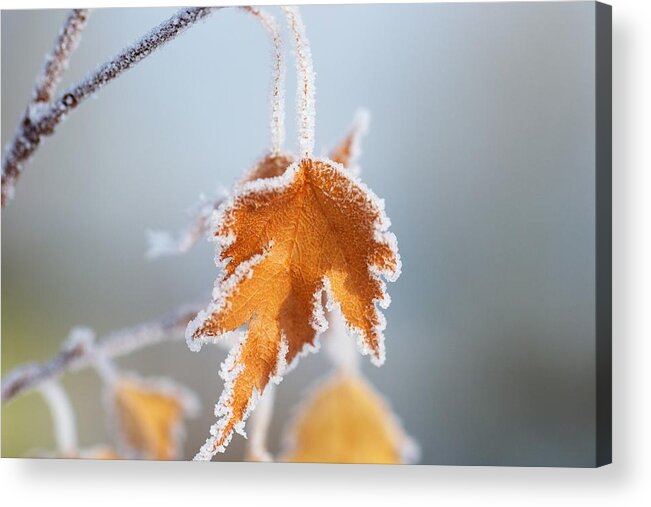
x: 481, y: 142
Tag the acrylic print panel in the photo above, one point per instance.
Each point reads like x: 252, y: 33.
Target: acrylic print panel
x: 207, y: 246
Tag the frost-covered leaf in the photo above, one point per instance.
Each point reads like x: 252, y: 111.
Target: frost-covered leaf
x: 345, y: 420
x: 148, y: 415
x: 284, y: 242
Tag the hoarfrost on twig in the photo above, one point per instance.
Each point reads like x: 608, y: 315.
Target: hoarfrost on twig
x: 162, y: 243
x: 75, y: 354
x: 56, y: 62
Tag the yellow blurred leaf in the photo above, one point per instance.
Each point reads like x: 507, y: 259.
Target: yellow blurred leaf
x: 149, y: 416
x: 345, y: 420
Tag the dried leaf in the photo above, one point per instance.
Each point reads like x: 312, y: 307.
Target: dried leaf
x: 285, y: 242
x: 149, y: 415
x: 346, y: 421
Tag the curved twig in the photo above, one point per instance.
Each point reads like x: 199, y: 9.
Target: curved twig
x: 305, y: 93
x: 277, y: 122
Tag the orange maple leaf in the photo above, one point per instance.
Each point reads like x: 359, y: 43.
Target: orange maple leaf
x: 285, y: 242
x: 345, y: 420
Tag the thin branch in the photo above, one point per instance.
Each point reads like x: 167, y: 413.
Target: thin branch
x: 162, y: 243
x: 78, y: 354
x: 56, y: 62
x: 42, y: 121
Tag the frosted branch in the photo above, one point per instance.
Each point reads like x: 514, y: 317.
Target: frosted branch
x: 77, y: 354
x: 56, y: 62
x: 305, y: 88
x: 278, y: 78
x: 41, y: 121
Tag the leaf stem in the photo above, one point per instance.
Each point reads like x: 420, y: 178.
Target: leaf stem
x: 305, y: 88
x: 278, y: 78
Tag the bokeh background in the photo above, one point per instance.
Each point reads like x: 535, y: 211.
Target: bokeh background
x: 481, y: 142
